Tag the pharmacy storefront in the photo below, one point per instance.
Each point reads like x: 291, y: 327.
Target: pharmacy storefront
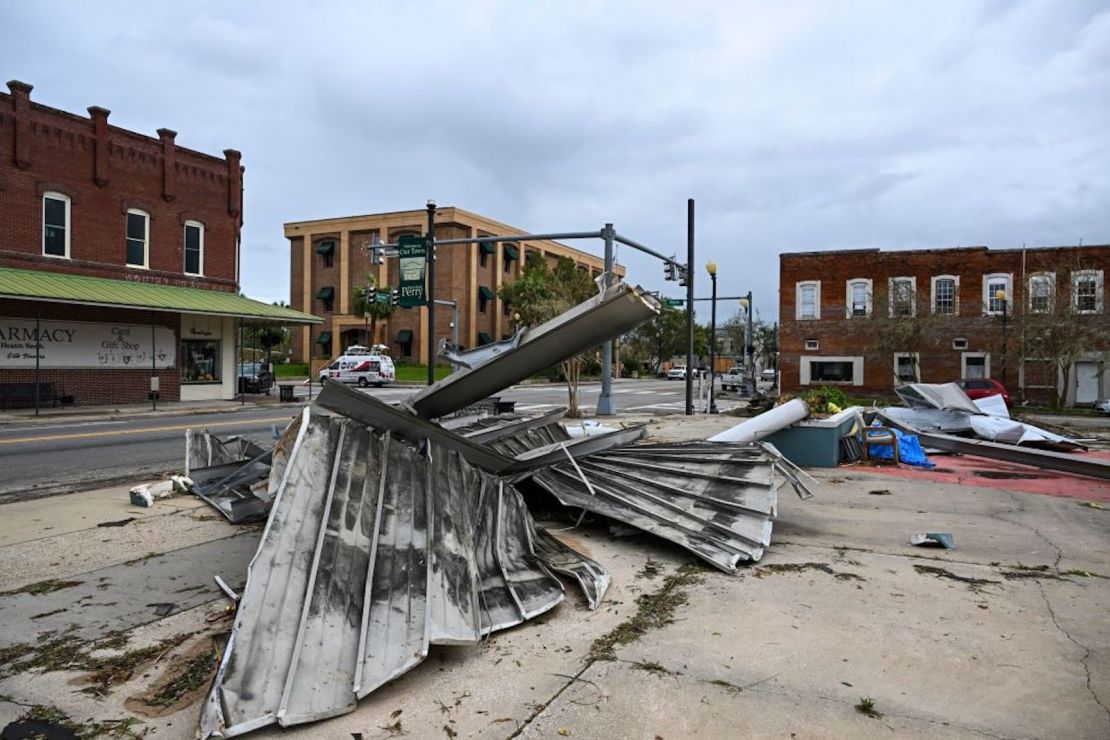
x: 78, y: 340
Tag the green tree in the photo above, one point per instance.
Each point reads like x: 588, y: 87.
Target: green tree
x: 366, y: 306
x: 541, y: 294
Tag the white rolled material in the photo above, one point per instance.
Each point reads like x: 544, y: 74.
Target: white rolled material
x: 765, y: 424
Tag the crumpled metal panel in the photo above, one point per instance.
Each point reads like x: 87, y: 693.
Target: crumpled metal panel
x: 717, y: 500
x: 559, y: 557
x: 205, y: 450
x: 375, y: 549
x: 936, y: 396
x: 609, y: 314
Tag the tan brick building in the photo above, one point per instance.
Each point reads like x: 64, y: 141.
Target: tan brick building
x: 330, y: 261
x: 867, y: 319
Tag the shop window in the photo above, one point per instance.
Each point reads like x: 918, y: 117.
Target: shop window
x: 138, y: 237
x: 907, y: 369
x: 833, y: 370
x: 194, y: 248
x: 200, y: 361
x: 1042, y: 288
x: 975, y: 365
x: 946, y: 295
x: 55, y: 225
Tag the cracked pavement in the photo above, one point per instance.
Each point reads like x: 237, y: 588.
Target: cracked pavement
x: 835, y: 613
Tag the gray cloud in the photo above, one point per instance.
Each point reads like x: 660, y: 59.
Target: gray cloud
x: 796, y: 126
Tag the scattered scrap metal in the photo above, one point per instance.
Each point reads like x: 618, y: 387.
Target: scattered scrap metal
x: 388, y: 532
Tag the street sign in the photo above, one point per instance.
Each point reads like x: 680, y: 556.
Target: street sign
x: 381, y: 298
x: 412, y: 252
x: 674, y: 301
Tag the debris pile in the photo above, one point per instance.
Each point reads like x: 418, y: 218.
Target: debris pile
x: 388, y: 532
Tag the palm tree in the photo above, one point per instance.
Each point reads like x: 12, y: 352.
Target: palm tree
x: 367, y: 306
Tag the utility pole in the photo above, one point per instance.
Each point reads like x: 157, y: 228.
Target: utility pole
x: 711, y: 268
x: 605, y: 405
x: 749, y: 346
x: 690, y: 306
x: 431, y: 269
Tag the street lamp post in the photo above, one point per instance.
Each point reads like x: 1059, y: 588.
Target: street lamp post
x: 711, y: 268
x: 1001, y: 296
x: 431, y: 262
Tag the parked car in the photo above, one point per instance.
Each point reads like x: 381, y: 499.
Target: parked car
x: 254, y: 378
x: 1103, y: 405
x: 769, y: 375
x: 983, y: 387
x: 362, y: 366
x: 678, y: 372
x: 733, y: 380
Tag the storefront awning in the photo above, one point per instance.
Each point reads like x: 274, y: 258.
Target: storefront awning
x: 484, y: 338
x: 326, y: 249
x: 486, y: 247
x: 326, y: 294
x: 35, y: 285
x: 324, y: 338
x: 511, y: 253
x: 485, y: 293
x: 404, y: 336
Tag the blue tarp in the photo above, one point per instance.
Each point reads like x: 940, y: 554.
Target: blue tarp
x: 909, y: 450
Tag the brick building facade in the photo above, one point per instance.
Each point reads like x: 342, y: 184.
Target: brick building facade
x: 330, y: 262
x: 1036, y: 319
x: 124, y: 246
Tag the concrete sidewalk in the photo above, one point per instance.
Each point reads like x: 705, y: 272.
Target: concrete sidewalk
x: 1005, y: 636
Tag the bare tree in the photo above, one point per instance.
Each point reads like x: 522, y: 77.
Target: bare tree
x: 902, y: 325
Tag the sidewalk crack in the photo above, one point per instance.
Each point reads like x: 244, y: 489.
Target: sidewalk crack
x: 1086, y: 650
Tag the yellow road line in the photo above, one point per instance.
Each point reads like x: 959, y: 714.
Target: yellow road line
x: 121, y: 432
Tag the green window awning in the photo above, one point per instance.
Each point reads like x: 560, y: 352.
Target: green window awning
x: 486, y: 247
x: 511, y: 253
x: 327, y: 248
x: 484, y: 338
x: 36, y: 285
x: 485, y: 293
x: 324, y: 338
x: 404, y: 336
x: 326, y: 293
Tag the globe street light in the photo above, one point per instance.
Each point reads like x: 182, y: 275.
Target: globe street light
x: 711, y: 268
x: 1000, y: 296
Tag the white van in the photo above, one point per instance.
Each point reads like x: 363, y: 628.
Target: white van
x: 362, y: 366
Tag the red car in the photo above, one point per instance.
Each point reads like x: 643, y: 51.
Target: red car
x: 983, y: 387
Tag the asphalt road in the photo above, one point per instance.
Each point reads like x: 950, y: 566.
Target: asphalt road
x: 43, y: 459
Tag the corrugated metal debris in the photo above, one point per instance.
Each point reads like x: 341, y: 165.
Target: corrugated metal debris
x: 376, y: 548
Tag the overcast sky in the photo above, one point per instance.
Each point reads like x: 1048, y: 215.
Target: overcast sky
x: 795, y: 125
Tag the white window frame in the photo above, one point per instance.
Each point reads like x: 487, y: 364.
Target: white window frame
x: 146, y: 238
x: 1075, y: 276
x: 986, y: 363
x: 913, y: 294
x: 798, y: 287
x: 68, y: 222
x: 1005, y: 277
x: 812, y: 345
x: 184, y: 247
x: 1031, y: 293
x: 849, y: 302
x: 916, y: 367
x: 804, y: 370
x: 955, y: 294
x: 959, y: 343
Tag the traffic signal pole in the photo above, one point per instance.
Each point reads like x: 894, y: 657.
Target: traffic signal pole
x: 689, y: 307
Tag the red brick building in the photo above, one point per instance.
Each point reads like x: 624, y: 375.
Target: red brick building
x: 119, y: 260
x: 1036, y: 319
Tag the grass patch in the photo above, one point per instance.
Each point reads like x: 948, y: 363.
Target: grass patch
x: 650, y: 570
x: 197, y: 672
x: 112, y: 728
x: 652, y: 667
x: 653, y: 611
x: 867, y: 706
x: 726, y: 685
x: 420, y: 372
x: 106, y: 673
x: 42, y: 587
x: 291, y: 370
x: 764, y: 571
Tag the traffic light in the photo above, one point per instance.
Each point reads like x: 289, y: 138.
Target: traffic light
x: 683, y: 275
x: 376, y: 257
x: 668, y: 271
x: 395, y: 297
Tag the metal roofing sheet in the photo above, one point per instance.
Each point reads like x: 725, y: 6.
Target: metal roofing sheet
x: 61, y: 288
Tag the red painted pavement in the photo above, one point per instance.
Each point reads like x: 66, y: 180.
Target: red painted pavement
x: 979, y: 471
